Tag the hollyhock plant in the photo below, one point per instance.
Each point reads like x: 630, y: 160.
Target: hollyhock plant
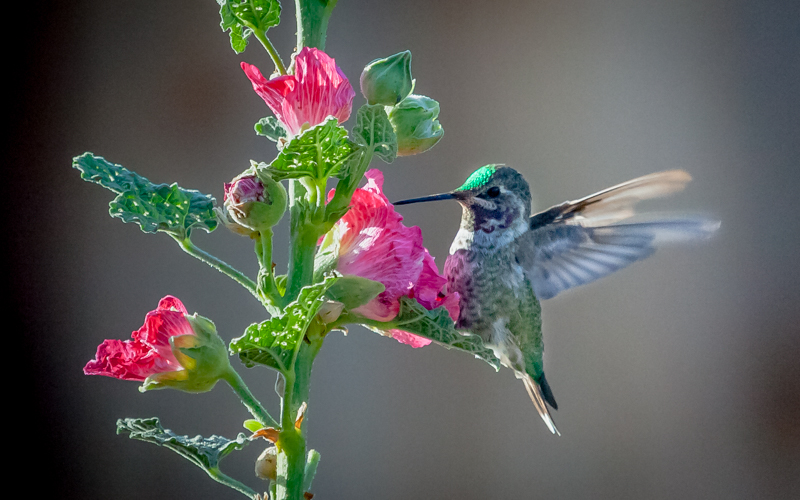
x: 317, y: 89
x: 351, y: 261
x: 370, y: 241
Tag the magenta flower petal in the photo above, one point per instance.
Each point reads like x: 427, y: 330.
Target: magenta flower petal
x: 149, y: 351
x: 317, y: 89
x: 374, y: 244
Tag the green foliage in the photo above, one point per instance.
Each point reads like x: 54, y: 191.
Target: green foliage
x: 273, y: 342
x: 271, y: 128
x: 241, y: 17
x: 205, y: 453
x: 319, y: 153
x: 374, y: 131
x: 437, y: 326
x: 155, y: 207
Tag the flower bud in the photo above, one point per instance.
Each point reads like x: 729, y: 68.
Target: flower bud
x: 253, y: 203
x: 415, y: 122
x: 388, y: 81
x: 330, y: 311
x: 267, y: 464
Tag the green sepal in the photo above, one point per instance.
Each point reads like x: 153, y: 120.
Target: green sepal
x: 155, y: 207
x: 437, y: 326
x: 374, y: 130
x: 252, y: 425
x: 271, y: 128
x: 205, y: 453
x: 312, y: 461
x: 280, y: 283
x: 319, y: 153
x: 203, y: 356
x: 354, y: 291
x: 273, y: 342
x: 241, y: 17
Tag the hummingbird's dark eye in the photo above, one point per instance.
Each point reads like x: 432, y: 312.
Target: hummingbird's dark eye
x: 493, y: 192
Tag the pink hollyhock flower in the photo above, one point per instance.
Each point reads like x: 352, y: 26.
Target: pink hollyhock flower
x: 149, y: 352
x: 317, y: 89
x: 374, y: 244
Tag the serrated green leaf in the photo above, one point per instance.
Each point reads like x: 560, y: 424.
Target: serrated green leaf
x: 271, y: 128
x: 259, y: 14
x: 374, y: 130
x: 206, y: 453
x: 155, y: 207
x: 437, y: 326
x: 238, y: 32
x: 241, y: 17
x: 273, y: 342
x: 319, y: 153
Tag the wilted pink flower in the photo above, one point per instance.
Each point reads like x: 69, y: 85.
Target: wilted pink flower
x: 373, y: 243
x: 149, y: 352
x: 317, y: 89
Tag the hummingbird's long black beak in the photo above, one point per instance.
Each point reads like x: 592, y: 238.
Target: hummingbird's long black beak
x: 433, y: 197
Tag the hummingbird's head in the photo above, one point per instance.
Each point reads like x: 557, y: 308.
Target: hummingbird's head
x: 495, y: 199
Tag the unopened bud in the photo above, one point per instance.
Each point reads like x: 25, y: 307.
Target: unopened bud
x: 415, y: 122
x: 388, y: 81
x: 267, y: 464
x: 254, y: 203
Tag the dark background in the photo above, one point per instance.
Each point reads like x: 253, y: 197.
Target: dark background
x: 676, y: 378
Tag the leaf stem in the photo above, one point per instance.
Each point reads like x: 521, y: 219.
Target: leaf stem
x: 230, y: 482
x: 276, y: 58
x: 220, y: 265
x: 248, y: 400
x: 267, y: 289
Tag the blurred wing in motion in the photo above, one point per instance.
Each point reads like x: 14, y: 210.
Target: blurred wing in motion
x: 577, y: 242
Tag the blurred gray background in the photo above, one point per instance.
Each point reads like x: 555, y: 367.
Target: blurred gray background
x: 678, y: 377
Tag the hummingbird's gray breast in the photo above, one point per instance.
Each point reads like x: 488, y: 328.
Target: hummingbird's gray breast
x: 496, y: 300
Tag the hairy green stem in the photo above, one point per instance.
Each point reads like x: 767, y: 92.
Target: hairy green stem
x: 219, y: 477
x: 303, y: 243
x: 312, y: 22
x: 220, y: 265
x: 292, y: 441
x: 248, y: 400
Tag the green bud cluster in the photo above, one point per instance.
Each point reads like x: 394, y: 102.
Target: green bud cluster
x: 414, y: 118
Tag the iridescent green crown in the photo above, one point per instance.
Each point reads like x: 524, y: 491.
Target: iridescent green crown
x: 479, y: 177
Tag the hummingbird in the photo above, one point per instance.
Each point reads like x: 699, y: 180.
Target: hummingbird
x: 504, y: 261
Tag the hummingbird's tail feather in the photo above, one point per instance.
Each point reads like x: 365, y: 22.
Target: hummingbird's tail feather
x: 547, y: 393
x: 535, y: 393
